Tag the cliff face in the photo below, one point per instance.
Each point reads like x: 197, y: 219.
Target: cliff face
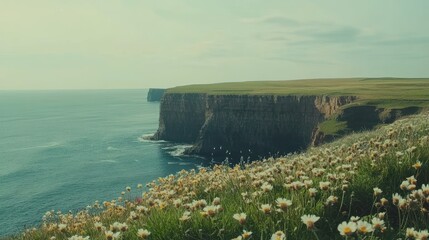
x: 181, y: 117
x: 264, y: 124
x: 155, y: 94
x: 367, y: 117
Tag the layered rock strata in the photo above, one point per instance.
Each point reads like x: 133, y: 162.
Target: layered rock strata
x: 242, y: 124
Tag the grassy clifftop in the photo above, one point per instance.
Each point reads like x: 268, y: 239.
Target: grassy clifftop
x: 372, y: 185
x: 385, y: 92
x: 379, y: 100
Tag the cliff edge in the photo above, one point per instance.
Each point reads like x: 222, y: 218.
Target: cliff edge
x: 155, y: 94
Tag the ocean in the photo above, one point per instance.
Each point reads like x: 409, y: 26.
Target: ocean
x: 65, y: 149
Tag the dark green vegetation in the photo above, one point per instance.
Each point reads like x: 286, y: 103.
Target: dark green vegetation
x: 332, y: 126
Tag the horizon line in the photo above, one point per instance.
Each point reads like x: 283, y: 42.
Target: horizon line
x: 244, y: 81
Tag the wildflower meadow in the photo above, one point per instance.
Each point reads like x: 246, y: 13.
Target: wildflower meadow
x: 369, y: 185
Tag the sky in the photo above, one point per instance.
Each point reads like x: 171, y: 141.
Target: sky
x: 106, y: 44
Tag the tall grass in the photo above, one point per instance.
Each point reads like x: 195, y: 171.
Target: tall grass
x: 340, y: 182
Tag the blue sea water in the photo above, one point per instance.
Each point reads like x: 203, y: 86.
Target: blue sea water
x: 64, y: 149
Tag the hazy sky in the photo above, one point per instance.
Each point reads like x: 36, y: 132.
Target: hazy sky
x: 139, y: 44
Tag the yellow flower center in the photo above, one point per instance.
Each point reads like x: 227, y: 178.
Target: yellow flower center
x: 245, y: 235
x: 347, y: 230
x: 310, y: 225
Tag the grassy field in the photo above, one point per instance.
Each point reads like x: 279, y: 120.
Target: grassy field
x: 372, y: 185
x: 385, y: 92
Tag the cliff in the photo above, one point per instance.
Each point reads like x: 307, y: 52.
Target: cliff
x: 277, y: 117
x: 235, y: 124
x: 155, y: 94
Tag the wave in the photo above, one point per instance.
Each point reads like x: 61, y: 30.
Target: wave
x: 48, y: 145
x: 108, y: 161
x: 110, y: 148
x: 180, y: 163
x: 198, y: 166
x: 185, y: 163
x: 177, y: 150
x: 146, y: 138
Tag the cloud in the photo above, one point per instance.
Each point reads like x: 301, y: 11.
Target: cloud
x: 294, y: 32
x: 332, y: 34
x: 290, y: 31
x: 315, y: 43
x: 304, y: 60
x: 274, y: 20
x: 395, y: 41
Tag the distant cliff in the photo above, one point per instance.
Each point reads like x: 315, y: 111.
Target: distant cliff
x: 155, y: 94
x: 238, y: 123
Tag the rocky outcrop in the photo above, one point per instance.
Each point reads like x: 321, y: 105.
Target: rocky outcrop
x: 318, y: 137
x: 155, y: 94
x: 237, y: 124
x: 367, y: 117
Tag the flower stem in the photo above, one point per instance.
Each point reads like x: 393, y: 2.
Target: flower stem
x: 315, y: 234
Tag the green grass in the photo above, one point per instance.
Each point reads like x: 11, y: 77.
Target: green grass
x: 387, y: 92
x: 332, y: 127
